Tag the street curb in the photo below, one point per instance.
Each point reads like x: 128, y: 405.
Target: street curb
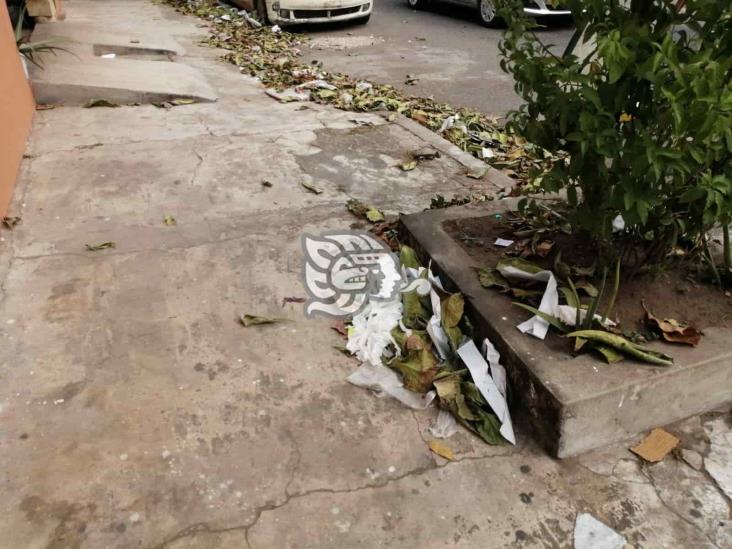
x: 463, y: 158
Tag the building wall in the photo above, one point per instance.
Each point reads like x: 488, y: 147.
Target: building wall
x: 16, y: 109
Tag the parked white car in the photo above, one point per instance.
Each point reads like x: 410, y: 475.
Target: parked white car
x: 488, y: 13
x: 296, y: 12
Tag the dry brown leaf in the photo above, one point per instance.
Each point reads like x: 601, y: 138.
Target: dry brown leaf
x: 656, y: 445
x: 441, y: 449
x: 286, y: 300
x: 340, y: 327
x: 672, y: 330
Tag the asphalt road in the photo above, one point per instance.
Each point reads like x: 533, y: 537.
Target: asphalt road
x: 455, y: 59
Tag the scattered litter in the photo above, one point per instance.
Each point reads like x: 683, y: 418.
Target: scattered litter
x: 47, y: 107
x: 447, y: 123
x: 276, y: 29
x: 441, y: 449
x: 590, y: 533
x: 445, y: 425
x: 266, y: 183
x: 249, y: 19
x: 134, y: 41
x: 411, y: 80
x: 363, y: 86
x: 108, y: 55
x: 504, y: 243
x: 288, y: 95
x: 371, y: 332
x: 656, y: 445
x: 310, y: 187
x: 315, y: 85
x: 672, y: 330
x: 618, y: 224
x: 519, y: 269
x: 169, y: 220
x: 102, y: 246
x: 286, y: 300
x: 99, y: 103
x: 479, y: 370
x: 385, y: 381
x: 254, y: 320
x: 487, y: 153
x: 10, y: 222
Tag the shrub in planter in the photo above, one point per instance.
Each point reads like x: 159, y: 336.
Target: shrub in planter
x: 644, y: 117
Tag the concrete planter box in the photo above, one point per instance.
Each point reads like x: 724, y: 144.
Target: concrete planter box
x: 574, y: 404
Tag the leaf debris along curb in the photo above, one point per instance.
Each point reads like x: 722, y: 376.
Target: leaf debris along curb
x: 273, y: 57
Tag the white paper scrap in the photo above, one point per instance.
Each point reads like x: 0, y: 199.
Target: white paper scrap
x: 438, y: 336
x: 498, y: 372
x: 590, y: 533
x: 318, y: 84
x: 503, y: 242
x: 370, y: 333
x: 445, y: 425
x: 108, y: 55
x: 487, y: 153
x: 478, y: 368
x: 385, y: 381
x: 618, y: 224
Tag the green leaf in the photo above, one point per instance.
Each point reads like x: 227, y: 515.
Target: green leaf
x: 624, y: 346
x: 408, y: 166
x: 608, y: 353
x: 491, y: 278
x: 374, y: 215
x: 453, y: 307
x: 408, y: 257
x: 418, y: 369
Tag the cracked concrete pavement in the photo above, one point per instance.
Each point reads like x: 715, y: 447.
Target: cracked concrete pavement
x: 137, y: 412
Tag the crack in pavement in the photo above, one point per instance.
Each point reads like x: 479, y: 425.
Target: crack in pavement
x: 203, y: 527
x: 672, y: 510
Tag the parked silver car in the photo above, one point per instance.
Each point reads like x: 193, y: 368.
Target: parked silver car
x: 488, y: 13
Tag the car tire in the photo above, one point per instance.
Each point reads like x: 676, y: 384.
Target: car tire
x: 418, y: 4
x: 261, y: 8
x: 488, y: 13
x: 362, y: 20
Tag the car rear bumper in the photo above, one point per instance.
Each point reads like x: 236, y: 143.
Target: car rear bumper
x: 286, y: 15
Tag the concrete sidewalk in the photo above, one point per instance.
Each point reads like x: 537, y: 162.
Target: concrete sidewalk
x: 137, y: 412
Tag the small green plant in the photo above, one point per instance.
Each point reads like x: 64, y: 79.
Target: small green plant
x: 30, y: 50
x: 644, y: 117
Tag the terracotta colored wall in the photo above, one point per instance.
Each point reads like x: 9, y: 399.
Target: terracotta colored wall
x: 16, y: 109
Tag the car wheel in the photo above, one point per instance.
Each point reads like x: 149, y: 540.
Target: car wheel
x: 362, y: 20
x: 418, y: 4
x: 261, y: 7
x: 488, y: 13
